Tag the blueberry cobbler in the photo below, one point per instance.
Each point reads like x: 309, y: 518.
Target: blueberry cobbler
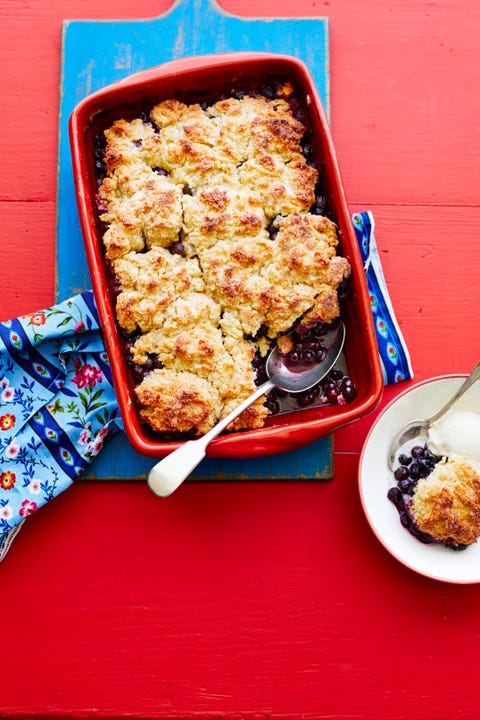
x: 437, y: 497
x: 217, y: 243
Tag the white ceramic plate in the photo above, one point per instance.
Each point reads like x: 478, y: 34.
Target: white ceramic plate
x: 419, y: 401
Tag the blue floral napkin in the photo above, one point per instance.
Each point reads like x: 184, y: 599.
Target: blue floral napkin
x: 394, y: 356
x: 58, y: 406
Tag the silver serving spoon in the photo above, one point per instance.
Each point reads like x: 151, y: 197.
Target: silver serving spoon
x: 168, y: 474
x: 420, y: 428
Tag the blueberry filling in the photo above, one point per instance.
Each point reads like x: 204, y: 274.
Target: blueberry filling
x: 320, y: 205
x: 414, y: 464
x: 99, y: 145
x: 272, y: 230
x: 335, y: 388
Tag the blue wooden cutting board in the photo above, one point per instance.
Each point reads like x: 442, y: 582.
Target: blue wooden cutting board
x: 97, y: 53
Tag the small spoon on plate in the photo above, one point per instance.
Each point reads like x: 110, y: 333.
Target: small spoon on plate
x: 420, y: 428
x: 168, y: 474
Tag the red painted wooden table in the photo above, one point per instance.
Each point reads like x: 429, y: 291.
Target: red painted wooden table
x: 256, y: 600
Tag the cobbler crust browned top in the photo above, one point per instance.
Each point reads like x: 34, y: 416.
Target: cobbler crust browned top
x: 189, y: 203
x: 446, y: 504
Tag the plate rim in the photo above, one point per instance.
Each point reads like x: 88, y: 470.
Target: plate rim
x: 361, y: 486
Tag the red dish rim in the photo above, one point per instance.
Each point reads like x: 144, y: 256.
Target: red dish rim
x: 272, y: 438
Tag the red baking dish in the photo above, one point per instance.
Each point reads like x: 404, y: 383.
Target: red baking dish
x: 214, y: 74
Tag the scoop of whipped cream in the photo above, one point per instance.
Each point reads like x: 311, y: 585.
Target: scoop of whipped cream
x: 457, y: 435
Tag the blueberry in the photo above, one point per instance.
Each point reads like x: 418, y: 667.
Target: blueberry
x: 152, y: 362
x: 293, y: 358
x: 258, y: 360
x: 407, y: 486
x: 457, y: 547
x: 424, y: 468
x: 177, y: 248
x: 261, y: 332
x: 332, y: 392
x: 404, y: 459
x: 395, y: 496
x: 308, y: 357
x: 347, y: 389
x: 305, y: 399
x: 272, y: 404
x: 431, y: 457
x: 268, y: 91
x: 273, y: 232
x: 401, y: 473
x: 414, y: 471
x: 137, y: 373
x: 320, y: 204
x: 298, y: 114
x: 422, y: 536
x: 261, y: 376
x: 301, y: 329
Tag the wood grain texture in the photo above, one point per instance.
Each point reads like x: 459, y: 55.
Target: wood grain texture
x: 259, y: 600
x: 303, y: 615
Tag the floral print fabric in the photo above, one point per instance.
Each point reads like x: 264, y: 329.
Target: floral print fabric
x: 394, y: 356
x: 57, y: 405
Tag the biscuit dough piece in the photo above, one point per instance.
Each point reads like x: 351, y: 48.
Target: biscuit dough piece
x: 283, y: 187
x: 188, y: 146
x: 150, y: 283
x: 196, y: 349
x: 233, y: 276
x: 253, y: 125
x: 181, y: 317
x: 305, y: 272
x: 141, y: 208
x: 446, y: 504
x: 178, y: 402
x: 124, y: 143
x: 222, y: 212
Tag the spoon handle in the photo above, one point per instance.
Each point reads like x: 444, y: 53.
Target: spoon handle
x: 168, y: 474
x: 225, y: 422
x: 473, y: 377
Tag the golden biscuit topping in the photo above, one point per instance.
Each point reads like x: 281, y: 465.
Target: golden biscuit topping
x: 446, y: 504
x: 213, y: 251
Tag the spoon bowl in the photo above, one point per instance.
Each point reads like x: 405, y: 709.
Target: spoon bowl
x: 298, y: 378
x: 420, y: 428
x: 168, y: 474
